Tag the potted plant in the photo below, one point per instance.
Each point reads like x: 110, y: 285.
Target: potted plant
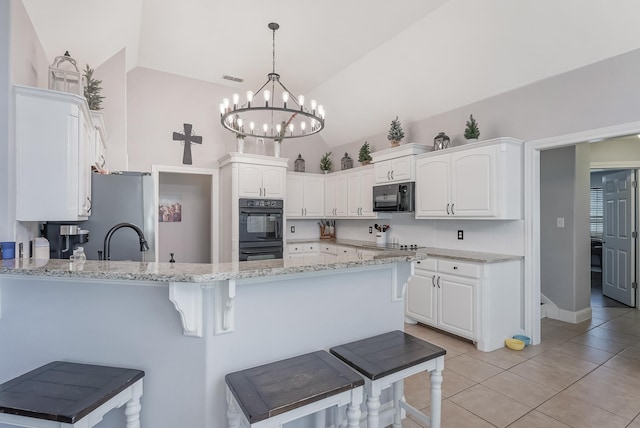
x: 325, y: 162
x: 395, y: 133
x: 364, y: 156
x: 472, y: 132
x: 92, y: 90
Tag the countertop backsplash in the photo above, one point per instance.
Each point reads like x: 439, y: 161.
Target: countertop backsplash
x: 490, y: 236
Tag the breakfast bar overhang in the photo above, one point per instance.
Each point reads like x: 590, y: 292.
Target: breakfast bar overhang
x: 187, y: 325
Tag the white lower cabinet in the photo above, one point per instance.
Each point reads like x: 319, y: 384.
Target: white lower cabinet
x: 302, y: 250
x: 478, y: 301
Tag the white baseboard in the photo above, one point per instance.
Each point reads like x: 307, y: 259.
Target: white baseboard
x: 552, y: 311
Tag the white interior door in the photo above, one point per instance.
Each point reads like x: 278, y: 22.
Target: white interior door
x: 618, y: 246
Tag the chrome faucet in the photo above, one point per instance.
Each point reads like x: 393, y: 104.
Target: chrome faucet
x: 107, y: 239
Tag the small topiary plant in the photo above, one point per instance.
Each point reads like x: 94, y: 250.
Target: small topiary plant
x: 396, y: 134
x: 325, y: 162
x: 364, y: 156
x: 471, y: 131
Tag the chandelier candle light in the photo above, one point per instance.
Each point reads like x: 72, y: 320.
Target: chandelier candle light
x: 272, y: 120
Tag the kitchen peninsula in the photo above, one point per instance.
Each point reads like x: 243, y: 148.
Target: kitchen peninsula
x: 187, y: 325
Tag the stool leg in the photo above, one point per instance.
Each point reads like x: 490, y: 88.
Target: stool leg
x: 436, y: 395
x: 233, y: 413
x: 398, y: 393
x: 353, y: 409
x: 132, y: 407
x: 373, y: 406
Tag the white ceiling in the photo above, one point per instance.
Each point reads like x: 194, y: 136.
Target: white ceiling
x: 366, y: 61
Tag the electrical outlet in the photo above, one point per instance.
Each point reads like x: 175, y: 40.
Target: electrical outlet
x: 293, y: 229
x: 370, y: 229
x: 460, y: 234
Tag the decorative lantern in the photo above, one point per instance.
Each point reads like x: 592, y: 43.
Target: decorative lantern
x: 346, y: 162
x: 441, y: 141
x: 298, y: 165
x: 64, y: 75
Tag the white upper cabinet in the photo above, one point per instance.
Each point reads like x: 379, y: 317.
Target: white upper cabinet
x: 305, y: 195
x: 261, y: 181
x: 54, y: 144
x: 335, y: 195
x: 396, y: 165
x: 481, y: 180
x: 360, y: 192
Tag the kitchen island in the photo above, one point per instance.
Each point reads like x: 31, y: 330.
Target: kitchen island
x: 187, y: 325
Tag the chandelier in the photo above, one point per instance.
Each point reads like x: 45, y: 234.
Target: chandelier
x: 281, y: 116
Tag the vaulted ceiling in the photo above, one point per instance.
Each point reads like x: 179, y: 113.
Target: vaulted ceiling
x: 365, y: 60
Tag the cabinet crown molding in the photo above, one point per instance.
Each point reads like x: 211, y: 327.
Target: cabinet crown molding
x: 250, y: 158
x: 400, y: 151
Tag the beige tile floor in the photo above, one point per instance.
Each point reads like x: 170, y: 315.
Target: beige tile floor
x: 581, y: 375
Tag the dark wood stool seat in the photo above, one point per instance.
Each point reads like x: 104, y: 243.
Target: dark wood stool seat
x: 63, y: 394
x: 386, y: 360
x: 276, y: 393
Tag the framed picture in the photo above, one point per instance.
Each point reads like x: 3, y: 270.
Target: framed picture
x: 170, y: 209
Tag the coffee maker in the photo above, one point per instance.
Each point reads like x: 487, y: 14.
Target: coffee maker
x: 63, y: 238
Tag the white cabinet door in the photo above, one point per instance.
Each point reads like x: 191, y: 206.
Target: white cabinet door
x: 250, y: 181
x: 457, y: 305
x: 330, y: 196
x: 432, y: 186
x: 422, y: 297
x: 295, y: 196
x: 401, y: 168
x: 53, y: 149
x: 341, y: 192
x: 273, y: 182
x: 367, y: 181
x: 473, y: 182
x: 314, y: 197
x: 353, y: 195
x: 383, y: 171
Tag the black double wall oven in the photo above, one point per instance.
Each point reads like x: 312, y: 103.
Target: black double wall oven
x: 261, y: 223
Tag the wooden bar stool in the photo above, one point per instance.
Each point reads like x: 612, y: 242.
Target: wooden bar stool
x: 70, y: 395
x: 386, y: 360
x: 280, y: 392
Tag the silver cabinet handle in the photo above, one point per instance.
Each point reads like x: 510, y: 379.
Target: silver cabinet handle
x: 305, y: 211
x: 392, y: 174
x: 438, y: 282
x: 433, y: 280
x: 447, y: 209
x: 452, y: 212
x: 388, y: 175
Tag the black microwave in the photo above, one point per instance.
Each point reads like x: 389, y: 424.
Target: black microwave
x: 397, y: 197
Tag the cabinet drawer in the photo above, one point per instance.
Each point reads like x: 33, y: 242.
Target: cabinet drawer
x: 426, y: 264
x: 295, y: 248
x: 310, y: 248
x: 347, y: 251
x: 459, y: 268
x: 328, y: 249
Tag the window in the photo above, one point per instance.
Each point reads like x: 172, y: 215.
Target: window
x: 596, y: 223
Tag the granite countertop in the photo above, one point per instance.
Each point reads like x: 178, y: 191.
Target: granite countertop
x: 196, y: 272
x: 445, y: 253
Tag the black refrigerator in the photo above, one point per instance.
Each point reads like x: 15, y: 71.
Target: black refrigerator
x: 121, y: 197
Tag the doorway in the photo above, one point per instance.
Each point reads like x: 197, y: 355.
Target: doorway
x: 186, y: 219
x: 532, y: 174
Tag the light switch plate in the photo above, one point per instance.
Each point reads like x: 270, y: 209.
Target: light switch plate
x: 560, y: 221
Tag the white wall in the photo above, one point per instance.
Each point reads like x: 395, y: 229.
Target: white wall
x: 158, y: 105
x: 7, y: 183
x: 114, y: 108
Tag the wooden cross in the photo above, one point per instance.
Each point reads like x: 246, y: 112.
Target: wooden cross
x: 188, y: 139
